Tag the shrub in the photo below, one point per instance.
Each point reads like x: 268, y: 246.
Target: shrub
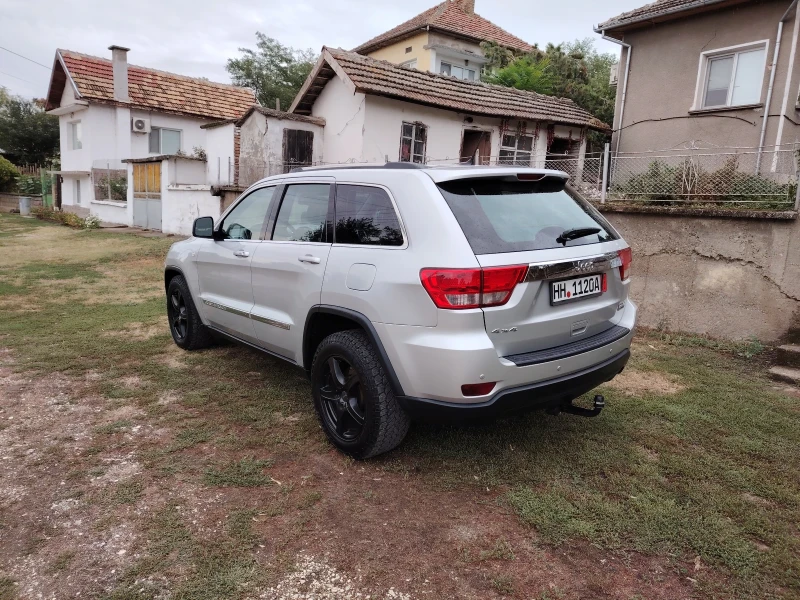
x: 66, y: 218
x: 30, y: 185
x: 8, y: 175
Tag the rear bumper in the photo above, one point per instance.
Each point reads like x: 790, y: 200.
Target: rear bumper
x: 520, y: 399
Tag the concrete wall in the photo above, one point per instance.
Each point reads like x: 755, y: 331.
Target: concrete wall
x: 9, y: 202
x: 664, y: 78
x: 728, y: 278
x: 220, y: 153
x: 181, y: 206
x: 396, y: 53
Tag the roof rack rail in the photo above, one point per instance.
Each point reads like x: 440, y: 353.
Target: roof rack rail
x: 388, y: 165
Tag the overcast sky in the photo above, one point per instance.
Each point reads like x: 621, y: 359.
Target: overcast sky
x: 195, y: 37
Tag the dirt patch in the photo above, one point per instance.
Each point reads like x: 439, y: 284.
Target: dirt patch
x: 141, y: 331
x: 632, y: 382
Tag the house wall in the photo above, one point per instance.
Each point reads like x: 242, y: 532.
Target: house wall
x: 396, y: 53
x: 344, y: 113
x: 384, y: 119
x: 664, y: 77
x: 192, y: 136
x: 686, y: 269
x: 220, y: 152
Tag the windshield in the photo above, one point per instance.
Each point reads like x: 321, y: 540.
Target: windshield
x: 499, y: 216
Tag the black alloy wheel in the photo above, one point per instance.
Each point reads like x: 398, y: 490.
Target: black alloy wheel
x: 342, y: 399
x: 178, y: 314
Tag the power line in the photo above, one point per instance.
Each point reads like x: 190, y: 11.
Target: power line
x: 26, y: 58
x: 20, y: 78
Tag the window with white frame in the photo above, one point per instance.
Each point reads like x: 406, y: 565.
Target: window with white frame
x: 733, y: 77
x: 165, y: 141
x: 76, y: 135
x: 411, y: 64
x: 456, y: 71
x: 516, y: 150
x: 413, y: 137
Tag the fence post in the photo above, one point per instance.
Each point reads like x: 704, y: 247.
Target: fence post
x: 797, y: 191
x: 606, y: 163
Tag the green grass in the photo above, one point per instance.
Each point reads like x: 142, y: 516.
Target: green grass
x: 244, y: 473
x: 709, y: 471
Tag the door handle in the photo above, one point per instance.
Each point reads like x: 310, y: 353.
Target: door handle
x: 241, y: 254
x: 309, y: 259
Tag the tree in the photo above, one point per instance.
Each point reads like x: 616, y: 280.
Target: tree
x: 573, y: 70
x: 273, y: 70
x: 28, y: 135
x: 8, y: 175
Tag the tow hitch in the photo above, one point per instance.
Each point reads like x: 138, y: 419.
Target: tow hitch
x: 599, y: 405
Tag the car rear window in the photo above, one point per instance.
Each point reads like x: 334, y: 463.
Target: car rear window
x: 500, y: 216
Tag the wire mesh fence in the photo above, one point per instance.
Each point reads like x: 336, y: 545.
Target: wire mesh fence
x: 731, y: 177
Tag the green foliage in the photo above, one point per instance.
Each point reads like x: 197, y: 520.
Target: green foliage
x: 573, y: 70
x: 114, y: 187
x: 526, y: 73
x: 66, y: 218
x: 28, y: 135
x: 8, y: 175
x: 29, y: 184
x: 273, y: 70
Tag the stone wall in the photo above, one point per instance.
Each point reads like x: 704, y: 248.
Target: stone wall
x: 9, y: 202
x: 726, y: 277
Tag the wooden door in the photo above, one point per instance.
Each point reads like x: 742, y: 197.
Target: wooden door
x: 298, y: 147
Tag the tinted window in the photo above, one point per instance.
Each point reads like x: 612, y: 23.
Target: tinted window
x: 498, y: 216
x: 303, y: 213
x: 365, y: 215
x: 246, y: 220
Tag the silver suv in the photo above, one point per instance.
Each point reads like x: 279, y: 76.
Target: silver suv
x: 413, y: 292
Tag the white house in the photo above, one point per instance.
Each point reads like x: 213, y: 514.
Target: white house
x: 111, y: 113
x: 376, y: 111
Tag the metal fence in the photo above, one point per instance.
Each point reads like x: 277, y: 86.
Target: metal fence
x: 726, y: 176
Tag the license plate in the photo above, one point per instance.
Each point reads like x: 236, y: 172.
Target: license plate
x: 575, y: 289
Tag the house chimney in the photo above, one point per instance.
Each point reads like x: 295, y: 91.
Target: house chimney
x: 119, y: 62
x: 468, y: 6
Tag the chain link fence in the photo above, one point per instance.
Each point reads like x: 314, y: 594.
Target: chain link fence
x: 731, y: 177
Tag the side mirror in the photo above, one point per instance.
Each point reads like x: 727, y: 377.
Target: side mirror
x: 203, y: 228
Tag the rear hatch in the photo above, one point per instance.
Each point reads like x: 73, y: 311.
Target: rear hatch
x: 569, y: 284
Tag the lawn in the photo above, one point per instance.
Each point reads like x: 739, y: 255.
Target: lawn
x: 131, y: 469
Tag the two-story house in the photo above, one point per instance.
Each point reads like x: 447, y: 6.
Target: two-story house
x: 110, y: 112
x: 444, y: 39
x: 721, y: 73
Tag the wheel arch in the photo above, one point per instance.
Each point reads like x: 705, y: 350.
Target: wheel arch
x: 171, y: 273
x: 323, y: 320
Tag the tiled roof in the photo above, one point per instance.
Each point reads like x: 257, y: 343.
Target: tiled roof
x: 658, y: 9
x: 378, y: 77
x: 153, y: 90
x: 453, y: 17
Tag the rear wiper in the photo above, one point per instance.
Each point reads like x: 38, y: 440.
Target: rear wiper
x: 574, y: 234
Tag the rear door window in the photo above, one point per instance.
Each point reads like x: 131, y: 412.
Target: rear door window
x: 499, y: 216
x: 366, y: 215
x: 303, y: 213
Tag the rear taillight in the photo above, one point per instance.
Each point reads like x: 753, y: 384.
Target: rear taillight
x: 459, y: 289
x: 625, y: 257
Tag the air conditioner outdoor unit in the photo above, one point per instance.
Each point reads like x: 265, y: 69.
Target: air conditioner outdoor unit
x: 140, y: 125
x: 614, y: 74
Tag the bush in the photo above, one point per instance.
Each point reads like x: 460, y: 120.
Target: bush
x: 30, y: 185
x: 66, y: 218
x: 8, y: 175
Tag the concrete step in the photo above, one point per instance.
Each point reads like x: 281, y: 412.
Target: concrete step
x: 789, y: 355
x: 786, y: 374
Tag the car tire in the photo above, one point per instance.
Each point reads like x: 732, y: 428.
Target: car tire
x: 353, y: 397
x: 185, y: 324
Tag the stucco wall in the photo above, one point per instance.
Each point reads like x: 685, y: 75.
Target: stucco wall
x: 110, y: 212
x: 664, y: 78
x: 729, y: 278
x: 219, y: 150
x: 396, y: 53
x: 180, y: 207
x: 343, y: 112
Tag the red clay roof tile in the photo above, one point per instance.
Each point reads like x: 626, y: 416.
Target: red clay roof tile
x: 157, y: 90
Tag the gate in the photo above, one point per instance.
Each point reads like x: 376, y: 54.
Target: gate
x: 147, y: 195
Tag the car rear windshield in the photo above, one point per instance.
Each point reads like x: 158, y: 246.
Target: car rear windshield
x: 498, y: 215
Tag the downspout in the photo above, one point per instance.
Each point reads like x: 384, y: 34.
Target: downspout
x: 787, y: 87
x: 624, y: 82
x: 771, y: 86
